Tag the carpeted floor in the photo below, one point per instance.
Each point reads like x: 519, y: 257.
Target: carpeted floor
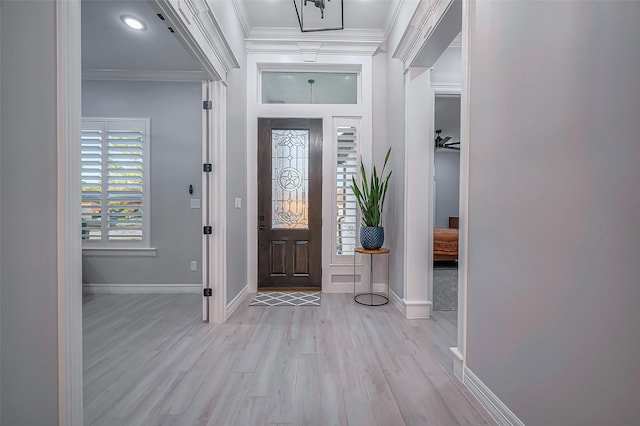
x: 445, y: 286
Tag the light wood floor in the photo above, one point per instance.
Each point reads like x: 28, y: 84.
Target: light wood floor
x: 148, y: 359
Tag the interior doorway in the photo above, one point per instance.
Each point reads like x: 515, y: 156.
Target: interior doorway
x: 446, y: 203
x: 289, y: 203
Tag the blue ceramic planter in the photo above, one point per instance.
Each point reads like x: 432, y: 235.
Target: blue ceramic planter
x: 371, y: 237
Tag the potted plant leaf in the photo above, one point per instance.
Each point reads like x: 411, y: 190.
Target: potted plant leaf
x: 370, y: 196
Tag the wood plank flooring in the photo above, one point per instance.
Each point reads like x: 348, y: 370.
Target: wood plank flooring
x: 149, y: 360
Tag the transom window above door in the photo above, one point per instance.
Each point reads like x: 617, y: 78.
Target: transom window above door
x: 285, y: 87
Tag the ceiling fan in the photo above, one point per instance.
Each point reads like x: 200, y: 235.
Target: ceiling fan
x: 443, y: 143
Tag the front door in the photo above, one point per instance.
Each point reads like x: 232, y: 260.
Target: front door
x: 289, y: 203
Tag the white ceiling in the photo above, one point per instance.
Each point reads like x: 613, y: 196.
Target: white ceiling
x: 447, y: 116
x: 358, y: 14
x: 107, y: 44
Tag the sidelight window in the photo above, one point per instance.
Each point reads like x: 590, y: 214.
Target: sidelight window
x: 346, y: 208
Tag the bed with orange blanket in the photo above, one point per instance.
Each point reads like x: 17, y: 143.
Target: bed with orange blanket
x: 445, y: 242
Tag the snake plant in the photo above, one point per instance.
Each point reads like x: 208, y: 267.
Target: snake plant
x: 372, y: 192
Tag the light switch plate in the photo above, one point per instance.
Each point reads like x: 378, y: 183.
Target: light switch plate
x: 195, y: 203
x: 238, y: 203
x: 194, y: 265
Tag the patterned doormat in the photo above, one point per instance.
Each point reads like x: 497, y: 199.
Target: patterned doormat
x: 288, y: 298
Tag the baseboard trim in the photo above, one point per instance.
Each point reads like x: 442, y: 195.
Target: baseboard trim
x: 417, y: 309
x: 496, y: 408
x: 142, y: 288
x: 398, y: 303
x: 411, y: 309
x: 233, y: 305
x: 458, y: 365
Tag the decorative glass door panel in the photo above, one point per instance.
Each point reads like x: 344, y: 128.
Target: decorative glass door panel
x: 289, y: 203
x: 290, y: 179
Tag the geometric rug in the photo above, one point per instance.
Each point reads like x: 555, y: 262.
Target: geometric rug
x: 288, y: 298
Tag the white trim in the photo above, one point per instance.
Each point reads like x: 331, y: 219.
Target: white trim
x: 218, y: 204
x: 243, y: 15
x: 458, y: 365
x: 233, y: 305
x: 69, y: 261
x: 142, y: 288
x: 311, y: 50
x: 255, y: 110
x: 446, y: 89
x: 463, y: 212
x: 199, y: 30
x: 411, y: 309
x: 418, y: 206
x: 426, y: 18
x: 115, y: 252
x: 142, y: 75
x: 494, y: 406
x: 397, y: 302
x: 418, y: 308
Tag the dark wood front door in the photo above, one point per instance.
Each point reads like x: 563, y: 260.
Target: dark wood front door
x: 289, y: 203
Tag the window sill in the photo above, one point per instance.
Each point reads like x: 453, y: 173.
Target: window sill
x: 113, y: 251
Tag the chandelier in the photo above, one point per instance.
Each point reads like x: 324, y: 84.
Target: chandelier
x: 319, y: 15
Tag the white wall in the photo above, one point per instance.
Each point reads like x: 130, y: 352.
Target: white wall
x: 447, y: 167
x: 395, y: 117
x: 554, y: 239
x: 0, y: 211
x: 176, y: 151
x: 448, y: 68
x: 28, y: 245
x: 236, y: 182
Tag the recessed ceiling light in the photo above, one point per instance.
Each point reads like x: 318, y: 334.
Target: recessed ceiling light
x: 134, y: 23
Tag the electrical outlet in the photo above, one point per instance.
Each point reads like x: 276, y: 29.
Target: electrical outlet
x: 194, y: 265
x: 195, y: 203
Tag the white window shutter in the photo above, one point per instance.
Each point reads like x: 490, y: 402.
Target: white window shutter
x: 115, y: 187
x: 347, y: 210
x: 91, y: 175
x: 125, y: 184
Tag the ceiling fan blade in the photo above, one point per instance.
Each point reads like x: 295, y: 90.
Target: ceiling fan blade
x: 445, y: 139
x: 452, y: 143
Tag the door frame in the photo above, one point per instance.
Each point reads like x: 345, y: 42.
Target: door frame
x: 430, y: 22
x: 69, y: 263
x: 371, y: 134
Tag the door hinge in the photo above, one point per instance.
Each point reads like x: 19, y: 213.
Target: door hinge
x: 207, y: 105
x: 207, y: 167
x: 207, y: 292
x: 207, y: 230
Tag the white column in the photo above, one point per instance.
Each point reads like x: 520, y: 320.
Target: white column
x: 418, y: 220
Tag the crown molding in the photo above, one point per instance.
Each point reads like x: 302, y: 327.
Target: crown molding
x: 142, y: 75
x: 457, y: 42
x: 197, y: 26
x: 420, y: 28
x: 243, y: 15
x: 310, y: 45
x: 392, y: 16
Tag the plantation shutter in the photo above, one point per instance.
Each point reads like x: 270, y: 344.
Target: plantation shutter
x: 91, y: 175
x: 114, y: 183
x: 347, y: 168
x: 125, y: 184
